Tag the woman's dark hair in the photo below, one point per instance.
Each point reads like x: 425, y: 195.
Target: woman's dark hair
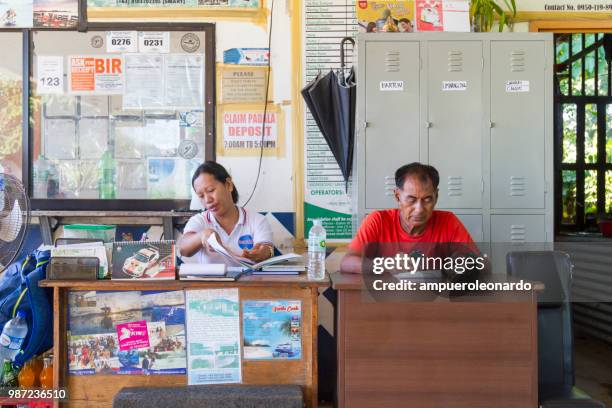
x: 218, y: 172
x: 423, y: 172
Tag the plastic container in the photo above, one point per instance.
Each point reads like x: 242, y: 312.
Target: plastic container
x: 13, y: 335
x: 316, y: 251
x: 105, y: 233
x: 605, y: 226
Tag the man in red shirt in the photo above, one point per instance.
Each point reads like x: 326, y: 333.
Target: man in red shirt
x: 415, y: 224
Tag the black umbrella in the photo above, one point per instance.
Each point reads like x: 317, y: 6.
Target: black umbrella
x: 331, y: 101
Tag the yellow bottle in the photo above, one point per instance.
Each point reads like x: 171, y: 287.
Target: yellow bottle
x: 46, y: 375
x: 26, y: 376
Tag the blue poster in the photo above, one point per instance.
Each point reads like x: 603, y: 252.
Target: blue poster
x: 272, y: 329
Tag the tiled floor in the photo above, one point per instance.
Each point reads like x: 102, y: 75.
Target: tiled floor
x: 594, y: 368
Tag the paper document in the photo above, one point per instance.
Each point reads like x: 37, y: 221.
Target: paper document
x: 247, y: 263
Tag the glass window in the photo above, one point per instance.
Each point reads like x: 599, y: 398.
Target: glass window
x: 590, y: 192
x: 583, y: 141
x: 569, y: 133
x: 124, y: 126
x: 11, y: 102
x: 568, y: 194
x: 590, y: 133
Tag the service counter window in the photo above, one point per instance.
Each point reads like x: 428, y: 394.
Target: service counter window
x: 11, y: 103
x: 120, y: 118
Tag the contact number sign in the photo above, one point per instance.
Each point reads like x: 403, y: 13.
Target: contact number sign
x: 154, y: 42
x: 121, y: 41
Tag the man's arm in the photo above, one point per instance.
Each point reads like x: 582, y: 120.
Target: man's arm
x: 351, y: 262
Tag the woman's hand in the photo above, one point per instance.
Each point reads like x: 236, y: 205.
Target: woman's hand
x: 204, y: 239
x: 260, y: 252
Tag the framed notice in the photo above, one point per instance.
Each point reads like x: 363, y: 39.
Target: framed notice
x: 241, y: 130
x: 243, y: 84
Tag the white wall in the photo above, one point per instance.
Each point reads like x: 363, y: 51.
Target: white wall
x: 275, y: 187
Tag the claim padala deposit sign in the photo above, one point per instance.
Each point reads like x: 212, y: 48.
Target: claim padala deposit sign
x: 247, y: 129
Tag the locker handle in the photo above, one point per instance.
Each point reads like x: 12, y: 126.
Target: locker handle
x: 428, y: 125
x: 491, y: 125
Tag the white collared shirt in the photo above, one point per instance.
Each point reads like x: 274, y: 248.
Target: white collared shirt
x: 252, y: 228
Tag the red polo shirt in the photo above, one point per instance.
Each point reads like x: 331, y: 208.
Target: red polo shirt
x: 384, y: 227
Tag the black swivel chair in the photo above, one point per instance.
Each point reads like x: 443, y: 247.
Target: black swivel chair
x: 555, y: 332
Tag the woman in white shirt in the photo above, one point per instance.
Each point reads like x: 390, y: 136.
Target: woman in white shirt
x: 244, y: 232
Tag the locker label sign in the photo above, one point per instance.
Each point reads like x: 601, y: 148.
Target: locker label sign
x: 453, y: 86
x: 517, y: 86
x: 387, y: 86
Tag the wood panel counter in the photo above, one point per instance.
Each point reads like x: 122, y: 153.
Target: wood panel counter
x: 99, y: 390
x: 467, y: 351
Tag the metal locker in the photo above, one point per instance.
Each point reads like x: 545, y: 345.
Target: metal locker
x: 518, y: 124
x: 392, y: 71
x: 518, y: 229
x: 473, y: 223
x: 454, y: 88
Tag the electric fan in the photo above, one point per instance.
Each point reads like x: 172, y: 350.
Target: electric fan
x: 14, y: 218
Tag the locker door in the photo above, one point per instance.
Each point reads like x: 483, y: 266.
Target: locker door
x: 518, y: 229
x: 473, y: 223
x: 517, y: 120
x: 392, y: 116
x: 455, y: 121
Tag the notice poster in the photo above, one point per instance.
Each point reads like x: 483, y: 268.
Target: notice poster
x: 49, y: 75
x: 325, y: 195
x: 272, y: 329
x: 56, y: 13
x: 126, y: 333
x: 184, y: 81
x: 243, y: 84
x: 429, y: 15
x: 95, y: 75
x: 154, y: 42
x: 16, y: 13
x: 242, y: 131
x: 213, y: 318
x: 144, y: 81
x: 385, y: 16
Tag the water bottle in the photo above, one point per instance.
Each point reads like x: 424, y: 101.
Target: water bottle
x: 106, y: 182
x: 316, y: 251
x: 40, y: 177
x: 13, y: 334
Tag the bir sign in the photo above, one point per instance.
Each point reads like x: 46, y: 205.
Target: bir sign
x: 97, y: 75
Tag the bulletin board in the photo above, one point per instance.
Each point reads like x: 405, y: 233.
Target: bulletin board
x: 120, y: 116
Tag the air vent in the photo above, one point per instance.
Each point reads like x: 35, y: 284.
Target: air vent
x: 518, y: 233
x: 455, y: 61
x: 392, y: 61
x: 455, y: 186
x: 517, y: 61
x: 389, y: 185
x: 518, y: 186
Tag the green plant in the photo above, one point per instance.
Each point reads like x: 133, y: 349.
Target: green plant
x: 484, y: 12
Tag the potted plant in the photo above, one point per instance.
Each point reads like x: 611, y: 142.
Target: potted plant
x: 484, y: 12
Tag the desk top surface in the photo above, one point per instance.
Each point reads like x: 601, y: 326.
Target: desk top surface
x: 301, y: 280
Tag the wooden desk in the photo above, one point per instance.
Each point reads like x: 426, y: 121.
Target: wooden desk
x: 443, y: 354
x: 98, y: 390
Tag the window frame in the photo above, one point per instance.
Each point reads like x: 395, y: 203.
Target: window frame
x: 580, y: 166
x: 51, y: 204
